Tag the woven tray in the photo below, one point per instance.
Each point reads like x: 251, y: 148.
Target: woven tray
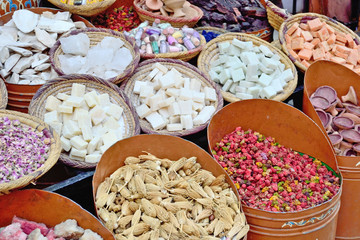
x: 175, y: 22
x: 184, y: 56
x: 63, y: 84
x: 3, y: 94
x: 276, y: 16
x: 185, y: 69
x: 86, y: 9
x: 211, y: 53
x: 54, y: 153
x: 304, y: 17
x: 96, y: 35
x: 211, y: 29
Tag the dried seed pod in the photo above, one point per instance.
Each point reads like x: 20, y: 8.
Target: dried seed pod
x: 151, y: 165
x: 111, y: 223
x: 173, y: 176
x: 163, y: 233
x: 120, y: 237
x: 190, y: 162
x: 177, y: 165
x: 192, y: 193
x: 211, y: 227
x: 234, y: 230
x: 194, y: 185
x: 179, y: 198
x: 210, y: 238
x: 173, y: 220
x: 216, y: 189
x: 131, y: 160
x: 195, y: 168
x: 115, y: 207
x: 201, y: 230
x: 145, y: 236
x: 101, y: 200
x: 204, y: 214
x: 183, y: 184
x: 133, y: 206
x: 125, y: 209
x: 118, y: 174
x: 140, y: 228
x: 156, y: 194
x: 156, y: 200
x: 170, y: 206
x: 155, y: 234
x: 209, y: 192
x: 188, y: 172
x: 140, y: 185
x: 148, y: 156
x: 181, y: 217
x: 208, y: 202
x: 152, y: 187
x: 166, y: 163
x: 223, y: 212
x: 168, y: 227
x: 219, y: 180
x: 123, y: 221
x: 132, y: 186
x: 184, y: 205
x: 219, y: 227
x: 182, y: 173
x: 148, y: 207
x: 154, y: 223
x: 188, y: 229
x: 161, y: 213
x: 104, y: 214
x: 164, y: 176
x: 111, y: 199
x: 172, y: 184
x: 136, y: 218
x: 149, y: 180
x: 242, y: 232
x: 128, y: 174
x: 178, y: 191
x: 196, y: 210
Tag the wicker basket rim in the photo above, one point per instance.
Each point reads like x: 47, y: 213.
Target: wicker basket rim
x: 86, y: 9
x: 4, y: 94
x: 243, y: 36
x: 54, y: 153
x: 126, y: 86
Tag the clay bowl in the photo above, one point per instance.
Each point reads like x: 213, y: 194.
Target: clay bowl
x: 291, y: 128
x: 10, y: 6
x: 49, y: 208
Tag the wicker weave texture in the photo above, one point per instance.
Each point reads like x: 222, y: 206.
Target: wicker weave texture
x: 64, y: 84
x: 185, y: 69
x: 211, y: 53
x: 96, y: 35
x: 86, y: 9
x: 54, y: 153
x: 304, y: 17
x: 3, y: 94
x: 276, y: 16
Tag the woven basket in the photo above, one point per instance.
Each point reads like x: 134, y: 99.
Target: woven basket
x: 63, y: 84
x: 211, y: 53
x: 145, y: 15
x: 276, y: 16
x: 276, y: 44
x: 54, y: 153
x: 86, y: 9
x: 185, y: 69
x: 96, y: 35
x: 184, y: 56
x: 303, y: 18
x: 3, y: 95
x: 211, y: 29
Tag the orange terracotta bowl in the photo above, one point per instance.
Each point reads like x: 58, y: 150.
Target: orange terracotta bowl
x: 291, y: 128
x: 11, y: 6
x: 49, y: 208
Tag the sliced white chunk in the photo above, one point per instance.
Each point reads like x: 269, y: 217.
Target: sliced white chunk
x: 172, y: 127
x: 210, y: 94
x: 93, y: 144
x: 74, y: 101
x: 78, y: 90
x: 243, y: 96
x: 153, y: 73
x: 57, y: 126
x: 195, y: 85
x: 265, y: 80
x: 81, y: 153
x: 174, y: 119
x: 65, y: 143
x: 156, y: 120
x: 198, y: 97
x: 138, y: 85
x: 168, y: 80
x: 267, y: 52
x: 166, y: 102
x: 50, y: 117
x: 185, y: 107
x: 65, y: 108
x: 204, y: 115
x: 227, y: 85
x: 185, y: 94
x: 115, y: 111
x: 90, y: 98
x: 111, y: 124
x: 186, y: 121
x: 103, y: 99
x: 109, y: 139
x: 161, y: 67
x: 268, y: 92
x: 237, y: 74
x: 62, y: 96
x: 146, y: 91
x: 143, y: 110
x: 97, y: 115
x: 52, y: 103
x: 164, y: 113
x: 92, y: 158
x: 78, y: 142
x: 174, y: 109
x: 172, y: 92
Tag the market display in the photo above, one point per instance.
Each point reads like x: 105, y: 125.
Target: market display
x: 22, y: 229
x: 106, y: 60
x: 272, y: 177
x: 119, y: 19
x: 316, y: 40
x: 169, y: 8
x: 151, y: 197
x: 23, y: 149
x: 163, y: 38
x: 249, y: 71
x: 171, y: 100
x: 88, y: 122
x: 234, y: 16
x: 26, y: 39
x: 340, y: 118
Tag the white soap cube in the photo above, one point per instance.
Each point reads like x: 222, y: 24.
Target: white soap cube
x: 265, y: 69
x: 172, y: 92
x: 186, y: 121
x: 249, y: 58
x: 92, y: 158
x: 254, y: 91
x: 109, y: 138
x: 99, y: 130
x: 71, y: 156
x: 198, y: 97
x: 158, y: 76
x: 197, y: 106
x: 174, y: 119
x: 93, y: 144
x: 287, y: 75
x: 86, y: 133
x: 204, y: 115
x: 78, y: 152
x: 57, y: 126
x: 264, y: 80
x: 174, y: 109
x: 65, y: 109
x: 161, y: 67
x: 185, y: 107
x: 164, y: 113
x: 210, y: 94
x: 166, y: 102
x: 78, y: 142
x: 103, y: 99
x: 276, y: 84
x: 62, y: 96
x: 194, y: 114
x: 90, y: 98
x: 66, y: 132
x: 185, y: 94
x: 233, y: 87
x: 281, y: 67
x: 187, y: 83
x: 246, y: 84
x: 270, y: 63
x: 225, y: 75
x: 111, y: 124
x: 138, y: 85
x: 275, y: 57
x: 195, y: 85
x: 214, y: 76
x: 156, y: 120
x: 97, y: 115
x: 168, y: 80
x: 251, y: 70
x: 240, y: 89
x: 217, y: 69
x: 267, y: 52
x: 146, y: 91
x: 66, y: 117
x: 51, y: 117
x: 78, y: 112
x: 74, y: 101
x: 172, y: 127
x: 153, y: 73
x: 243, y: 96
x: 156, y: 84
x: 154, y: 102
x: 253, y: 79
x: 268, y: 92
x: 227, y: 85
x: 237, y: 74
x: 115, y: 111
x: 143, y: 110
x: 52, y: 103
x: 238, y: 43
x: 65, y: 143
x: 223, y: 47
x: 78, y: 90
x: 73, y: 127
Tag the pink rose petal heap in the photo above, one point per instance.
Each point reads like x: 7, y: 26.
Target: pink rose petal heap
x: 272, y: 177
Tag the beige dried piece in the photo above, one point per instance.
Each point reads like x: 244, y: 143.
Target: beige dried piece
x: 203, y: 214
x: 211, y: 227
x: 161, y: 213
x: 177, y: 165
x: 219, y: 180
x: 155, y: 235
x: 179, y: 198
x: 132, y: 186
x: 196, y: 187
x: 148, y: 208
x: 133, y: 206
x: 131, y: 160
x: 153, y: 222
x: 192, y: 193
x: 242, y: 232
x: 190, y: 162
x: 125, y: 210
x: 136, y: 218
x: 120, y: 237
x: 140, y: 185
x: 123, y: 221
x: 145, y: 236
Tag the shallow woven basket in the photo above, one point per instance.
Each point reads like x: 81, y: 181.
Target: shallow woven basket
x: 303, y: 18
x: 54, y: 153
x: 86, y: 9
x: 211, y: 53
x: 3, y: 94
x: 63, y: 84
x: 145, y: 15
x: 276, y: 44
x: 96, y: 35
x: 276, y: 16
x: 185, y: 69
x: 211, y: 29
x: 185, y: 55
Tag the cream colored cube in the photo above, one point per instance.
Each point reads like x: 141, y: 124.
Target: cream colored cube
x: 98, y: 130
x: 110, y: 123
x: 78, y: 90
x: 66, y: 132
x: 97, y: 115
x: 79, y: 112
x: 66, y: 117
x: 172, y: 127
x: 62, y: 96
x: 86, y: 133
x: 73, y: 127
x: 186, y: 121
x: 74, y: 101
x: 65, y: 143
x: 109, y: 138
x: 156, y: 120
x: 52, y: 103
x: 65, y: 108
x: 93, y: 144
x: 103, y: 99
x: 161, y: 67
x: 78, y: 153
x: 91, y: 98
x: 92, y: 158
x: 50, y: 117
x: 115, y: 111
x: 78, y: 142
x: 57, y: 126
x: 71, y: 156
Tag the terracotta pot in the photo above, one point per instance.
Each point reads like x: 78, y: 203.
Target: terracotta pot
x: 291, y: 128
x: 49, y: 208
x: 340, y: 78
x: 19, y: 94
x: 162, y: 146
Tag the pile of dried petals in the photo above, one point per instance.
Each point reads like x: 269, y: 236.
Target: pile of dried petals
x: 22, y: 149
x: 119, y: 19
x: 272, y: 177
